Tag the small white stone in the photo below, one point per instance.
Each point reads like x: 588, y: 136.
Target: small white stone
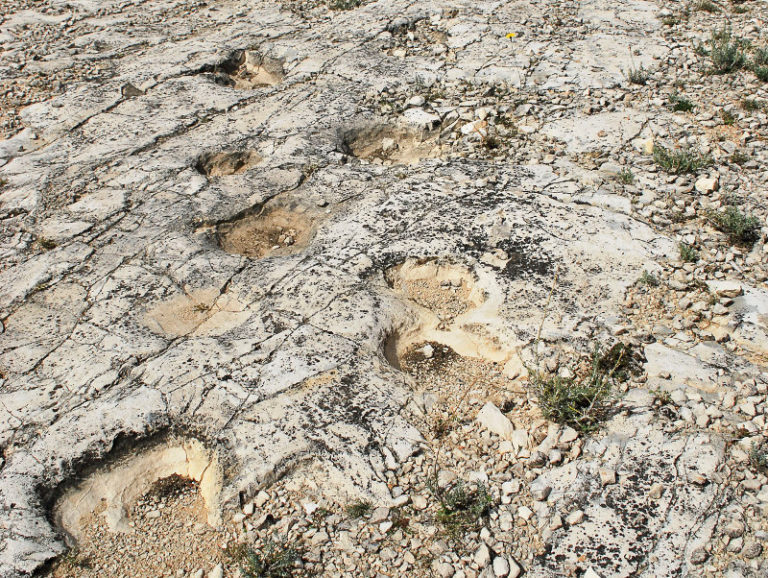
x: 419, y: 502
x: 500, y: 566
x: 707, y: 185
x: 217, y: 572
x: 510, y: 487
x: 607, y: 476
x: 491, y: 418
x: 482, y: 556
x: 540, y: 493
x: 575, y: 518
x: 568, y: 435
x: 525, y: 513
x: 417, y: 100
x: 261, y: 498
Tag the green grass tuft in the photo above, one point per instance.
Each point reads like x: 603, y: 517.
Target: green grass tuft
x: 581, y: 401
x: 680, y: 104
x: 741, y: 228
x: 461, y: 508
x: 638, y: 76
x: 679, y: 161
x: 688, y: 253
x: 344, y: 4
x: 648, y: 279
x: 725, y: 51
x: 707, y: 6
x: 359, y: 509
x: 273, y: 560
x: 626, y: 176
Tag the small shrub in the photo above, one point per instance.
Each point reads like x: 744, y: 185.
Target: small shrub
x: 620, y: 361
x: 648, y: 279
x: 727, y: 117
x: 274, y: 560
x: 662, y: 397
x: 739, y: 157
x: 638, y: 75
x: 725, y: 51
x: 626, y: 176
x: 580, y: 401
x: 688, y: 253
x: 741, y: 228
x: 491, y: 142
x: 761, y: 72
x: 75, y: 559
x: 460, y: 508
x: 46, y: 244
x: 707, y: 6
x: 344, y: 4
x: 359, y: 509
x: 679, y: 161
x: 680, y: 104
x: 399, y: 521
x: 752, y: 105
x: 758, y: 457
x: 760, y: 56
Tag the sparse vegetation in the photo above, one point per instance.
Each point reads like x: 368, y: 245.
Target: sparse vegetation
x: 359, y: 509
x: 727, y: 117
x: 680, y: 104
x: 273, y: 560
x: 680, y: 161
x: 460, y: 507
x: 580, y: 401
x: 707, y: 6
x: 739, y: 157
x: 638, y: 75
x: 46, y: 244
x: 741, y: 228
x: 760, y: 56
x: 752, y: 105
x: 344, y: 4
x: 661, y: 397
x: 688, y: 253
x: 738, y: 7
x: 648, y: 279
x: 75, y: 559
x: 626, y: 176
x: 491, y: 142
x: 758, y: 457
x: 725, y: 51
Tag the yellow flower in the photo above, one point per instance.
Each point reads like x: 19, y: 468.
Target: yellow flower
x: 512, y: 35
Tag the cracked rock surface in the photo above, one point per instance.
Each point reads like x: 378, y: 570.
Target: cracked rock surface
x: 316, y: 242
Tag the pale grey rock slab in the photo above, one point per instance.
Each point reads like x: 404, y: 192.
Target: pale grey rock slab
x: 624, y: 532
x: 138, y: 323
x: 667, y: 365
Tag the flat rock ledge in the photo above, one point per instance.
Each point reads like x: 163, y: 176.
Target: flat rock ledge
x: 289, y: 270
